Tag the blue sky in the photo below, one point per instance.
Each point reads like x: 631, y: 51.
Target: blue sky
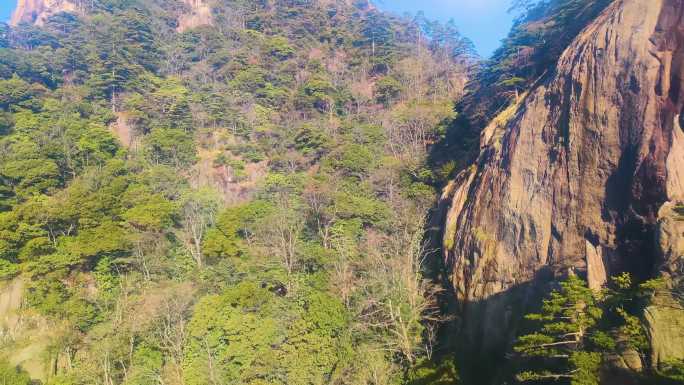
x: 6, y: 8
x: 485, y: 22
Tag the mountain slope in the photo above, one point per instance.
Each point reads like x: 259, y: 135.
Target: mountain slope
x: 574, y: 173
x: 219, y: 192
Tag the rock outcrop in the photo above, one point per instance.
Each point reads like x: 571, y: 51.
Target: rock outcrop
x: 197, y: 14
x: 38, y: 11
x: 665, y: 315
x: 191, y: 14
x: 10, y: 303
x: 575, y: 173
x: 25, y: 339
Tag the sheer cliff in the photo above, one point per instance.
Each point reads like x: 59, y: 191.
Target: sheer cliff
x: 575, y: 173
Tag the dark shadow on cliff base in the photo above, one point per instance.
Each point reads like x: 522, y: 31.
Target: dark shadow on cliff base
x: 482, y: 340
x: 480, y: 334
x: 486, y: 336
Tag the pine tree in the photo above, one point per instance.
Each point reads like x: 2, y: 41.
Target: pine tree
x: 559, y: 349
x: 4, y: 35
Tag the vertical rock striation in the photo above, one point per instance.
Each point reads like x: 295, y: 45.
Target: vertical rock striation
x: 575, y: 173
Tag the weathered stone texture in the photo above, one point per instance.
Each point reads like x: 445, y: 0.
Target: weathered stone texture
x: 575, y: 176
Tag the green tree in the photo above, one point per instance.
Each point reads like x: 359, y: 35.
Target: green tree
x: 317, y: 92
x: 378, y: 36
x: 427, y: 372
x: 670, y: 373
x: 4, y: 35
x: 17, y: 93
x: 279, y: 47
x: 387, y: 90
x: 559, y: 349
x: 250, y: 335
x: 170, y: 146
x: 198, y: 214
x: 234, y: 228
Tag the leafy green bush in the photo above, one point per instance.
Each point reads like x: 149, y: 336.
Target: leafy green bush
x: 428, y: 372
x: 267, y: 340
x: 10, y: 375
x: 317, y: 92
x: 387, y: 89
x: 172, y: 147
x: 279, y: 47
x: 671, y: 373
x: 8, y: 270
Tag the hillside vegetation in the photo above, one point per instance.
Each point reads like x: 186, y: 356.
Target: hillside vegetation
x: 241, y: 202
x: 214, y: 192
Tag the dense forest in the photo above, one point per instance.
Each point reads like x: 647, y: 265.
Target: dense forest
x: 251, y: 199
x: 241, y: 202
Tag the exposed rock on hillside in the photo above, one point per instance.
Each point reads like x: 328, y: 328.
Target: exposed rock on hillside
x: 665, y: 316
x: 575, y: 174
x: 10, y: 302
x: 27, y: 334
x: 192, y: 14
x: 197, y: 14
x: 37, y: 11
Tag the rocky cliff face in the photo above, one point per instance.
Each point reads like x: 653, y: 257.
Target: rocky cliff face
x: 194, y: 13
x: 575, y: 173
x: 37, y: 11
